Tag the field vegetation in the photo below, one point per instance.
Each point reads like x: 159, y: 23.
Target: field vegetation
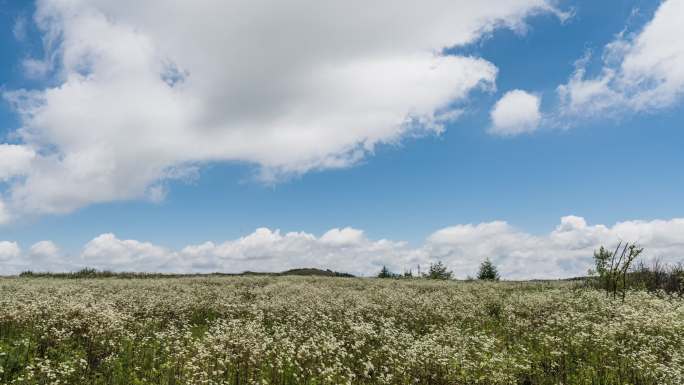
x: 331, y: 330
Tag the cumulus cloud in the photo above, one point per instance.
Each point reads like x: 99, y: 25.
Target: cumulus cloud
x: 43, y: 255
x: 285, y: 87
x: 340, y: 249
x: 110, y: 253
x: 47, y: 256
x: 517, y: 112
x: 44, y: 250
x: 345, y: 236
x: 641, y: 71
x: 14, y: 160
x: 9, y: 251
x: 566, y: 251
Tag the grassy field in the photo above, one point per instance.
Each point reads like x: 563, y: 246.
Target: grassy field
x: 303, y: 330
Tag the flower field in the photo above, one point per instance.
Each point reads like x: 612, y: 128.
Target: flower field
x: 303, y: 330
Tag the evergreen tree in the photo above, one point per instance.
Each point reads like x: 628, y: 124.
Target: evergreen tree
x: 385, y: 273
x: 488, y: 271
x: 438, y: 271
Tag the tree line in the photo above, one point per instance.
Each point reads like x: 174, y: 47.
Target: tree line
x: 615, y: 270
x: 438, y: 270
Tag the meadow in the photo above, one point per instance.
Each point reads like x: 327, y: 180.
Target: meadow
x: 325, y: 330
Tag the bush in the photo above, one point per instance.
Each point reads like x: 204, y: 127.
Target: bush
x: 658, y: 276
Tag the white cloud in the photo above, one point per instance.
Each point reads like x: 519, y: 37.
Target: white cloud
x: 269, y: 250
x: 14, y: 160
x: 11, y: 258
x: 641, y: 72
x: 566, y: 251
x: 41, y: 256
x: 345, y: 236
x: 517, y: 112
x: 46, y: 256
x: 44, y: 249
x: 9, y: 251
x: 285, y: 86
x: 110, y: 253
x: 4, y: 214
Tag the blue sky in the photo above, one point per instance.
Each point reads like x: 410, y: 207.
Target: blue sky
x: 619, y: 163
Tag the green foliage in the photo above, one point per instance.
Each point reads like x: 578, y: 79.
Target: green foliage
x: 612, y: 268
x: 488, y: 271
x: 438, y: 270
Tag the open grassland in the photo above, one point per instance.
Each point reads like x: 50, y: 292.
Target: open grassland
x: 298, y: 330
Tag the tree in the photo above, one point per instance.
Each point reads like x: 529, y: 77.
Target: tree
x: 612, y: 270
x: 438, y: 271
x: 488, y: 271
x: 385, y: 273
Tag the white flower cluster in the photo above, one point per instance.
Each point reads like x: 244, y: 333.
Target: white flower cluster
x: 297, y: 330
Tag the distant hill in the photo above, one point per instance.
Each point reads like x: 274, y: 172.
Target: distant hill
x: 316, y: 272
x: 93, y: 273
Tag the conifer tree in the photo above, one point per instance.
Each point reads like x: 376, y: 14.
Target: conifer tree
x: 385, y: 273
x: 488, y: 271
x: 438, y: 271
